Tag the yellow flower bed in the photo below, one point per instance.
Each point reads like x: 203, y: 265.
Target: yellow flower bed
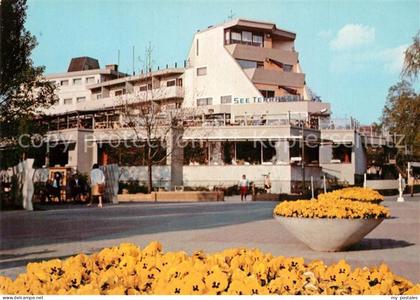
x: 129, y: 270
x: 354, y: 193
x: 331, y: 208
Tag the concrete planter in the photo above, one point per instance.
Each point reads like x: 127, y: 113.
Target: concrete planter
x: 329, y: 235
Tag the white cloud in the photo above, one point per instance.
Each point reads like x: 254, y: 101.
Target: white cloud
x: 389, y: 60
x: 393, y: 58
x: 353, y: 36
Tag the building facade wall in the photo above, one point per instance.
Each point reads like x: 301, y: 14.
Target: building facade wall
x: 224, y: 76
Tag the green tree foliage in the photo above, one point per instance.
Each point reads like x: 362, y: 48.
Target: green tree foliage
x: 401, y: 114
x: 24, y: 94
x: 411, y: 66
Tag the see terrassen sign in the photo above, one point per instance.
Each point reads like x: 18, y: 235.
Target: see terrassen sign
x: 245, y: 100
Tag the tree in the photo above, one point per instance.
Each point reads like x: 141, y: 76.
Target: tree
x: 401, y: 114
x: 24, y: 94
x: 411, y: 66
x: 156, y: 123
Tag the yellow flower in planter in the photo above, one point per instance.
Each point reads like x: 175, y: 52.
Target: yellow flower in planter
x: 333, y: 208
x: 353, y: 193
x: 338, y: 273
x: 415, y: 290
x: 260, y: 271
x: 125, y: 270
x: 128, y: 249
x: 318, y: 268
x: 176, y: 287
x: 118, y: 290
x: 291, y: 283
x: 240, y: 262
x: 88, y: 289
x: 254, y: 287
x: 295, y: 263
x: 238, y: 287
x: 238, y: 275
x: 275, y: 264
x: 152, y: 249
x: 107, y: 280
x: 216, y: 282
x: 5, y: 285
x: 194, y: 284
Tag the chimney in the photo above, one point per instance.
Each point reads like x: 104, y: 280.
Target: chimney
x: 112, y: 67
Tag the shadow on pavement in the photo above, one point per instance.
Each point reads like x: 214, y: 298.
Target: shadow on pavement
x: 375, y: 244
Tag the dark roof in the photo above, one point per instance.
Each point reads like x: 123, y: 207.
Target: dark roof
x: 82, y: 64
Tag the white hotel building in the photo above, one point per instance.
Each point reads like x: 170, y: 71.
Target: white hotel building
x: 245, y: 80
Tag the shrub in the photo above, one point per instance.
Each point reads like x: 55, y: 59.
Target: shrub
x: 133, y: 187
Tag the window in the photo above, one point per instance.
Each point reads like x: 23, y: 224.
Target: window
x: 68, y: 101
x: 204, y: 101
x: 197, y: 47
x: 90, y: 80
x: 170, y: 83
x: 257, y: 40
x: 143, y: 88
x: 179, y: 81
x: 98, y: 96
x: 244, y: 37
x: 287, y: 68
x: 247, y: 64
x: 77, y: 81
x: 248, y: 153
x: 342, y: 152
x: 247, y: 37
x: 196, y: 153
x: 120, y: 92
x: 64, y: 82
x: 80, y: 99
x: 267, y: 94
x: 227, y: 37
x: 202, y: 71
x: 226, y: 99
x: 236, y: 36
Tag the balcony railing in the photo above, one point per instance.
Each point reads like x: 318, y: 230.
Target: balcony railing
x: 339, y: 124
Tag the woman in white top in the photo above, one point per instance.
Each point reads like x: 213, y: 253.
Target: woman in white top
x: 97, y: 181
x: 243, y: 187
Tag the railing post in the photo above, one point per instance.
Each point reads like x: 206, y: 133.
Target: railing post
x: 312, y: 187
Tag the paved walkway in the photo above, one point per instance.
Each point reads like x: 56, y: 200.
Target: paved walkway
x: 64, y: 231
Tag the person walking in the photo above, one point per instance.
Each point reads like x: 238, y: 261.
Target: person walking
x: 267, y: 183
x: 97, y: 183
x: 243, y: 187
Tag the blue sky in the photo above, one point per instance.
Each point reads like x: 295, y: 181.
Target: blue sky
x: 351, y: 51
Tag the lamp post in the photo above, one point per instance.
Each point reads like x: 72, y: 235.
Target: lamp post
x: 302, y: 161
